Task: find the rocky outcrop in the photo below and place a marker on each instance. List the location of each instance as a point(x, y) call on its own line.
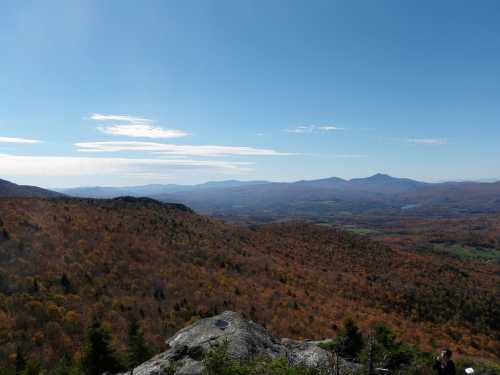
point(245, 340)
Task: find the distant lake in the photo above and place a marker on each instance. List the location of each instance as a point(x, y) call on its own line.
point(410, 206)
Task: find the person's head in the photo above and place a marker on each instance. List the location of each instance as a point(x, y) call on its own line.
point(446, 354)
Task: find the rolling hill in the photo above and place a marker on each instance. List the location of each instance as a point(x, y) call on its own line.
point(9, 189)
point(324, 199)
point(106, 192)
point(65, 261)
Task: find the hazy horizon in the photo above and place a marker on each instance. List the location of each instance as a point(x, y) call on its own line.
point(62, 187)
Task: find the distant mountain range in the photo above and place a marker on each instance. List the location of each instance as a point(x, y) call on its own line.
point(378, 183)
point(150, 190)
point(317, 199)
point(333, 197)
point(321, 199)
point(9, 189)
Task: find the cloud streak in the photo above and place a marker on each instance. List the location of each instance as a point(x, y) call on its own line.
point(177, 150)
point(56, 166)
point(142, 131)
point(309, 129)
point(350, 156)
point(126, 118)
point(18, 140)
point(136, 127)
point(428, 141)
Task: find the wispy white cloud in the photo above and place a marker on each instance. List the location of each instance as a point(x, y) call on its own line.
point(126, 118)
point(142, 131)
point(15, 165)
point(135, 127)
point(428, 141)
point(18, 140)
point(170, 149)
point(305, 129)
point(349, 156)
point(329, 128)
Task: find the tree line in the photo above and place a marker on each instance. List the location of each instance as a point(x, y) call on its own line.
point(379, 350)
point(98, 355)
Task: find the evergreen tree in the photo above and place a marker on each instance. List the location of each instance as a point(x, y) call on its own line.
point(66, 366)
point(138, 350)
point(65, 283)
point(386, 350)
point(349, 341)
point(99, 356)
point(20, 361)
point(32, 368)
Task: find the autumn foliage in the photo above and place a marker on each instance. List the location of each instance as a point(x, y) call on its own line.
point(66, 262)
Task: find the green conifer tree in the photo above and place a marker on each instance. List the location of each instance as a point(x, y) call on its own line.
point(33, 368)
point(349, 341)
point(20, 361)
point(138, 350)
point(386, 350)
point(67, 366)
point(65, 283)
point(99, 356)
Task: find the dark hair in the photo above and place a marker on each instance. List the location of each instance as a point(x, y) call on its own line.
point(448, 352)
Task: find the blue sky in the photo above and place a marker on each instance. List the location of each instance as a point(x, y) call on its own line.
point(131, 93)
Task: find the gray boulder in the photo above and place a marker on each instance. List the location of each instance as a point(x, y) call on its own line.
point(245, 340)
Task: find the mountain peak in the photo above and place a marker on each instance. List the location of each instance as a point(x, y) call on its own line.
point(381, 176)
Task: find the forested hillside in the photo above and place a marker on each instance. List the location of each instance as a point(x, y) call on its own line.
point(9, 189)
point(65, 261)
